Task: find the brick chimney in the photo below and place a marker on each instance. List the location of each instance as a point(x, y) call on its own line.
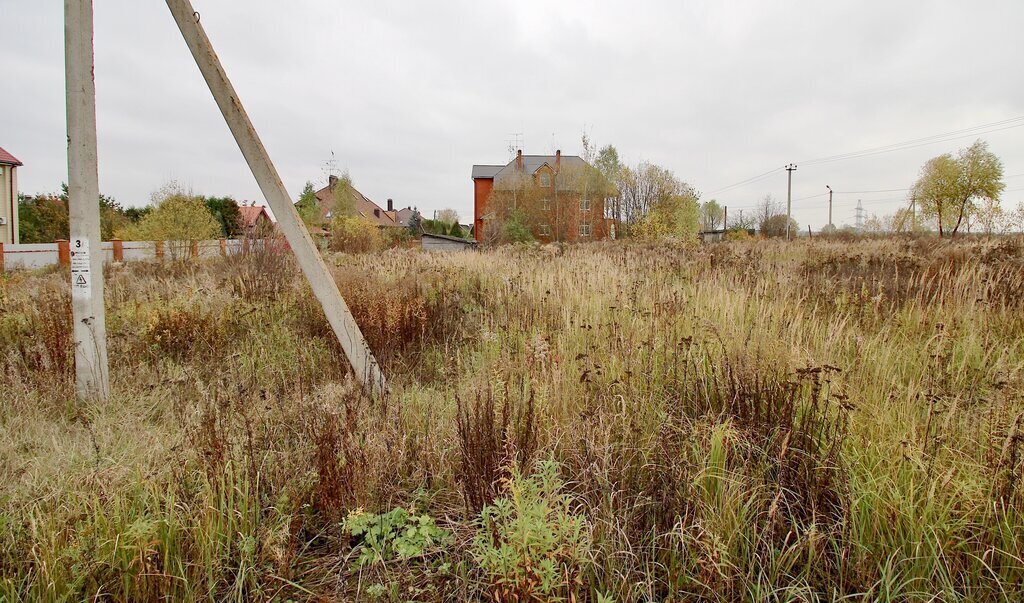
point(519, 160)
point(391, 205)
point(558, 159)
point(332, 180)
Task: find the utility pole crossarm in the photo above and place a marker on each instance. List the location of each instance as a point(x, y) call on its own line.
point(326, 290)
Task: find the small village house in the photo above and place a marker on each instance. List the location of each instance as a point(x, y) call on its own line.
point(255, 221)
point(362, 205)
point(404, 215)
point(400, 216)
point(9, 165)
point(565, 211)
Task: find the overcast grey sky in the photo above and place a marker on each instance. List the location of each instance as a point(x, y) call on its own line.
point(408, 95)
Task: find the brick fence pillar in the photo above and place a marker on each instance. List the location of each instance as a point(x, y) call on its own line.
point(159, 250)
point(195, 249)
point(223, 247)
point(1, 257)
point(118, 250)
point(64, 252)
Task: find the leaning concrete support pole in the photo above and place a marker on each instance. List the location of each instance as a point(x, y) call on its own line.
point(86, 254)
point(326, 290)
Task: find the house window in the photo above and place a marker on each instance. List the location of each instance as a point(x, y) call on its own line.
point(547, 204)
point(584, 229)
point(545, 179)
point(545, 230)
point(584, 205)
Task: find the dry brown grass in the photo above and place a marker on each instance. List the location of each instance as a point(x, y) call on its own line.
point(745, 421)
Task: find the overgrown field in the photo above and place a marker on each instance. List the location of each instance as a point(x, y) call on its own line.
point(745, 421)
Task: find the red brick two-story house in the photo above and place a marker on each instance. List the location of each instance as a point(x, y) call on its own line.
point(554, 192)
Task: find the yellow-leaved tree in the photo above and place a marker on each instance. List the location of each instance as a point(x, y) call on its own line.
point(950, 188)
point(674, 217)
point(178, 217)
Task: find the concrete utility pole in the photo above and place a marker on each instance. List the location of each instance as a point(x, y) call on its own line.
point(789, 198)
point(829, 206)
point(90, 329)
point(913, 213)
point(326, 290)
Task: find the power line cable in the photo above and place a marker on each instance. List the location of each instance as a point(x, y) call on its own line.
point(996, 126)
point(747, 181)
point(881, 190)
point(810, 197)
point(1005, 124)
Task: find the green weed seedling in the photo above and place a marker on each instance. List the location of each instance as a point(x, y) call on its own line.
point(530, 542)
point(397, 534)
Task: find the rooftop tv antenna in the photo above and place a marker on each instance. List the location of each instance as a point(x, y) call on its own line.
point(515, 142)
point(330, 167)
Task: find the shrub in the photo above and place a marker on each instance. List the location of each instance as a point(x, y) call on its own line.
point(39, 334)
point(515, 229)
point(529, 543)
point(775, 226)
point(676, 217)
point(183, 332)
point(261, 274)
point(355, 234)
point(177, 216)
point(396, 237)
point(737, 234)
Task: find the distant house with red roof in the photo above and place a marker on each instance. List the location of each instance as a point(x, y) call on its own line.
point(9, 165)
point(254, 220)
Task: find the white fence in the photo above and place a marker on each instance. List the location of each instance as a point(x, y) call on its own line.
point(40, 255)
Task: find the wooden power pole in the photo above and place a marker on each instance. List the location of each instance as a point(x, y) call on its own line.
point(326, 290)
point(90, 330)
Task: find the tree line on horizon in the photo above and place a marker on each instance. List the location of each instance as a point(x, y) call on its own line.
point(953, 193)
point(174, 213)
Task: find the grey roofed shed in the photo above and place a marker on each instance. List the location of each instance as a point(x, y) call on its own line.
point(434, 242)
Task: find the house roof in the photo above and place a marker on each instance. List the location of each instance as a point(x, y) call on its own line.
point(404, 215)
point(361, 203)
point(249, 215)
point(486, 171)
point(531, 163)
point(430, 235)
point(8, 159)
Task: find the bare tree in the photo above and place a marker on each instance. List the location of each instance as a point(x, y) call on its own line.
point(646, 185)
point(765, 210)
point(448, 215)
point(743, 220)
